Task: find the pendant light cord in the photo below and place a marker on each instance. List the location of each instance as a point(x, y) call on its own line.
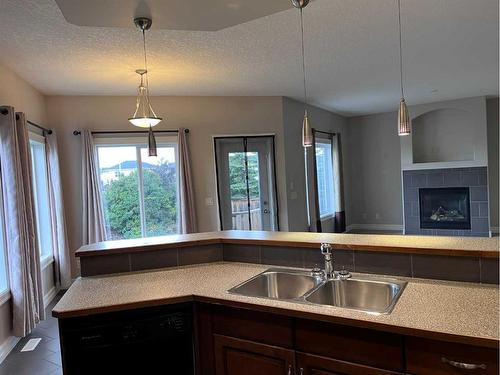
point(147, 71)
point(400, 49)
point(145, 57)
point(303, 58)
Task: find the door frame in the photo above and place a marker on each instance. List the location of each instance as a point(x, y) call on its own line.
point(263, 135)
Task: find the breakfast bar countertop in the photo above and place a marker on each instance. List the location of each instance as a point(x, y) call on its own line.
point(450, 311)
point(449, 246)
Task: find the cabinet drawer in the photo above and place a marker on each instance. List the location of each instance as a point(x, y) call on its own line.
point(358, 345)
point(253, 325)
point(441, 358)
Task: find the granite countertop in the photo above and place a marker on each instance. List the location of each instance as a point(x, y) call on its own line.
point(453, 246)
point(426, 308)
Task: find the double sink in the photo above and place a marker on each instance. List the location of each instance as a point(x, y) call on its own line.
point(371, 294)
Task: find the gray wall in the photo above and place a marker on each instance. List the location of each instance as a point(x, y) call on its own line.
point(374, 164)
point(493, 158)
point(373, 170)
point(293, 114)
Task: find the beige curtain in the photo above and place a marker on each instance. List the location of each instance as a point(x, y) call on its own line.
point(93, 215)
point(186, 191)
point(61, 251)
point(338, 179)
point(18, 207)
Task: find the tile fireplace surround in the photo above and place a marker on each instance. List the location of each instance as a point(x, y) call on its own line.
point(476, 179)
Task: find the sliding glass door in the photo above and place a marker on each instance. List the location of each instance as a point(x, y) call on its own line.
point(246, 183)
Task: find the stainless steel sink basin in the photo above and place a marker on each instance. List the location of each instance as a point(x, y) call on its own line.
point(376, 295)
point(367, 293)
point(278, 284)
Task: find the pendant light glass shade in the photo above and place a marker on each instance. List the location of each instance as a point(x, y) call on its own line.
point(404, 123)
point(151, 143)
point(144, 116)
point(307, 134)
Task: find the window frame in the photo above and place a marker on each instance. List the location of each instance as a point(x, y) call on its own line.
point(140, 143)
point(45, 259)
point(325, 141)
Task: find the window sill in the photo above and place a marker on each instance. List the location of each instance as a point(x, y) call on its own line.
point(46, 261)
point(327, 216)
point(4, 296)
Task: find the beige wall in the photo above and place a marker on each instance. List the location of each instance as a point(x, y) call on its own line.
point(16, 92)
point(204, 116)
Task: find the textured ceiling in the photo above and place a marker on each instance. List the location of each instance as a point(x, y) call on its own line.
point(351, 53)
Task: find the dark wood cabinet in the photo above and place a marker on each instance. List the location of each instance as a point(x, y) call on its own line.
point(309, 364)
point(241, 357)
point(241, 341)
point(351, 344)
point(438, 358)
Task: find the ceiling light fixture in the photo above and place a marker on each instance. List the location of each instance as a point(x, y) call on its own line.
point(404, 123)
point(144, 115)
point(307, 134)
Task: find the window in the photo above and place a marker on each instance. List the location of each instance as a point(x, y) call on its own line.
point(324, 173)
point(41, 196)
point(139, 192)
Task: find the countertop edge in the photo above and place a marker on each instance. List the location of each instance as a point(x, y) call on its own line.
point(434, 335)
point(86, 252)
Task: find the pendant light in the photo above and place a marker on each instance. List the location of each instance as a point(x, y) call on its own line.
point(144, 115)
point(307, 134)
point(404, 123)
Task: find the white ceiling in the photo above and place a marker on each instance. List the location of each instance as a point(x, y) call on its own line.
point(351, 53)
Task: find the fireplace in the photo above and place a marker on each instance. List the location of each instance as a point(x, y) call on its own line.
point(445, 208)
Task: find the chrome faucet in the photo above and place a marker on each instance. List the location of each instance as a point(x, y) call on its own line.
point(343, 274)
point(326, 250)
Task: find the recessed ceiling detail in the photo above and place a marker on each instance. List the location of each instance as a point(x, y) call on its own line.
point(192, 15)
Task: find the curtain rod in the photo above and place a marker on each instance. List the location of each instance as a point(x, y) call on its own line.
point(78, 132)
point(48, 131)
point(320, 131)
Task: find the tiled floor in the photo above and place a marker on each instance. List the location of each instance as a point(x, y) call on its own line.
point(45, 359)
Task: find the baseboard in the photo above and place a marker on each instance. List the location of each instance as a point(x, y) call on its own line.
point(7, 347)
point(49, 296)
point(394, 227)
point(375, 227)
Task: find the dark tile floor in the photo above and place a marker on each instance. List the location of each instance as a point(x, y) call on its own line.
point(45, 359)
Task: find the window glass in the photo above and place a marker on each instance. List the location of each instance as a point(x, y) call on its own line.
point(139, 192)
point(120, 191)
point(160, 191)
point(324, 172)
point(41, 198)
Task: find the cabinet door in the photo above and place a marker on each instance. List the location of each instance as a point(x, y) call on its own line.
point(445, 358)
point(309, 364)
point(242, 357)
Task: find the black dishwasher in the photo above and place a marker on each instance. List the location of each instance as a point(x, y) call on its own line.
point(155, 340)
